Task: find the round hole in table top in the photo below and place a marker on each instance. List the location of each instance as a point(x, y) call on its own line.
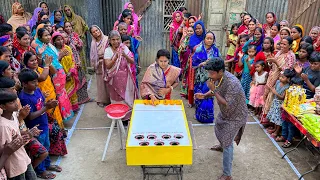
point(139, 137)
point(178, 136)
point(173, 143)
point(144, 144)
point(151, 136)
point(159, 143)
point(166, 136)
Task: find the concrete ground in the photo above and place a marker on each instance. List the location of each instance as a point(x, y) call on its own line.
point(255, 158)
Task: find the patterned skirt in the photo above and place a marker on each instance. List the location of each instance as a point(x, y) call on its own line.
point(256, 95)
point(57, 136)
point(82, 92)
point(245, 82)
point(204, 107)
point(274, 114)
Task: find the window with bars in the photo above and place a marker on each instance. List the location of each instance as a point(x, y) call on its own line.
point(169, 7)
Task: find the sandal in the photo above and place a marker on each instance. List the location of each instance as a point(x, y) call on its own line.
point(286, 144)
point(100, 104)
point(280, 139)
point(217, 148)
point(46, 175)
point(55, 168)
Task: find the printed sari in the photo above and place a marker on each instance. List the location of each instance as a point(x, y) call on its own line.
point(286, 61)
point(72, 83)
point(155, 78)
point(204, 107)
point(59, 80)
point(120, 81)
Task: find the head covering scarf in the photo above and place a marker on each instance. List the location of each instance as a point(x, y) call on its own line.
point(175, 24)
point(17, 20)
point(51, 18)
point(191, 17)
point(196, 39)
point(203, 54)
point(96, 47)
point(135, 19)
point(3, 66)
point(55, 34)
point(39, 27)
point(33, 21)
point(79, 25)
point(286, 29)
point(258, 43)
point(4, 40)
point(266, 25)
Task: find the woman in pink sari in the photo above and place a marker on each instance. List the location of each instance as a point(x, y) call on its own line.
point(98, 45)
point(160, 78)
point(118, 76)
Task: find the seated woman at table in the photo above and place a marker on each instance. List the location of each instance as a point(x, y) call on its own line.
point(160, 78)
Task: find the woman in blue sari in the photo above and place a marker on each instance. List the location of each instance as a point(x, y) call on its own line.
point(57, 18)
point(204, 52)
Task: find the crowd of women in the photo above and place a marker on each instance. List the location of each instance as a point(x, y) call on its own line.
point(52, 45)
point(266, 59)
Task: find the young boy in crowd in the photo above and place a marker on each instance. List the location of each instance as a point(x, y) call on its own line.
point(18, 164)
point(311, 74)
point(32, 96)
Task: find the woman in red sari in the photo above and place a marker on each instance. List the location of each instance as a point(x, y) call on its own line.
point(270, 20)
point(243, 28)
point(21, 41)
point(160, 78)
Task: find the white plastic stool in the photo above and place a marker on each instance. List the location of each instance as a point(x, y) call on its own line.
point(121, 131)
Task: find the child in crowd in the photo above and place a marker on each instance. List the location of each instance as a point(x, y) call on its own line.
point(37, 152)
point(5, 54)
point(274, 115)
point(278, 47)
point(127, 41)
point(18, 165)
point(241, 41)
point(257, 87)
point(31, 95)
point(245, 62)
point(311, 74)
point(232, 39)
point(304, 54)
point(288, 129)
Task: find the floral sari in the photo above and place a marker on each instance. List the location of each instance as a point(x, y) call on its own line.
point(204, 108)
point(119, 79)
point(72, 83)
point(286, 61)
point(155, 78)
point(57, 144)
point(59, 80)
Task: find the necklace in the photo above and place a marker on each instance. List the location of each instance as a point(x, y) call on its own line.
point(216, 86)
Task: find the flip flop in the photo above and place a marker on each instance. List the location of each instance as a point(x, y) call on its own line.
point(55, 168)
point(48, 175)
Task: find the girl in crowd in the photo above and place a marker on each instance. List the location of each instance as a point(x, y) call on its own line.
point(246, 60)
point(192, 20)
point(197, 38)
point(98, 45)
point(204, 52)
point(69, 68)
point(57, 18)
point(278, 91)
point(252, 27)
point(56, 127)
point(153, 85)
point(5, 54)
point(257, 87)
point(175, 37)
point(304, 54)
point(271, 19)
point(44, 47)
point(126, 17)
point(257, 40)
point(45, 7)
point(82, 90)
point(243, 38)
point(232, 39)
point(266, 53)
point(6, 41)
point(275, 33)
point(119, 79)
point(184, 53)
point(297, 32)
point(127, 41)
point(284, 59)
point(19, 16)
point(136, 28)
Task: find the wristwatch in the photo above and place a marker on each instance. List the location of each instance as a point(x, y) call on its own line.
point(212, 92)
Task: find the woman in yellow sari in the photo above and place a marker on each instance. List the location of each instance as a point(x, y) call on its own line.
point(69, 66)
point(56, 127)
